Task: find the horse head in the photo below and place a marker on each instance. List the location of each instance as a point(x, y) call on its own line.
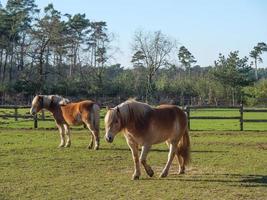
point(113, 123)
point(37, 104)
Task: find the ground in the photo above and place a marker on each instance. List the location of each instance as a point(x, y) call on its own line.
point(225, 165)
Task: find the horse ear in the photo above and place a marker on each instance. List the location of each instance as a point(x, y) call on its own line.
point(108, 107)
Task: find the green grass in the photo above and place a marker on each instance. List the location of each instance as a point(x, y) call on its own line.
point(225, 165)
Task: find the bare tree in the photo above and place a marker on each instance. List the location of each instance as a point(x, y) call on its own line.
point(151, 50)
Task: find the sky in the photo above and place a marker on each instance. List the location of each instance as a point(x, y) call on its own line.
point(205, 27)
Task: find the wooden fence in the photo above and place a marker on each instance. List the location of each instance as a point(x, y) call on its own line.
point(239, 117)
point(17, 116)
point(188, 109)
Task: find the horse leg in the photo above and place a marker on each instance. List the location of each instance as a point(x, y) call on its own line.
point(95, 135)
point(181, 163)
point(91, 143)
point(144, 152)
point(134, 149)
point(172, 152)
point(62, 137)
point(67, 134)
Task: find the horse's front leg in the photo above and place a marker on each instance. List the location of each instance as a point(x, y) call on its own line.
point(134, 149)
point(61, 133)
point(172, 152)
point(67, 134)
point(144, 152)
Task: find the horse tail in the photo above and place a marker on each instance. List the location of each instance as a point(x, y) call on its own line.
point(184, 147)
point(95, 116)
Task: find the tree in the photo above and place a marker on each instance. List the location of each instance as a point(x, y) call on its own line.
point(98, 44)
point(78, 29)
point(21, 15)
point(152, 51)
point(45, 33)
point(256, 53)
point(186, 58)
point(233, 72)
point(256, 94)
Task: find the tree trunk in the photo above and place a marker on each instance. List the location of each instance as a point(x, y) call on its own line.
point(1, 61)
point(4, 67)
point(256, 69)
point(22, 46)
point(41, 81)
point(233, 97)
point(46, 63)
point(149, 89)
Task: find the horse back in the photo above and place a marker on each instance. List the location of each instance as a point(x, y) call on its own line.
point(76, 113)
point(166, 116)
point(163, 118)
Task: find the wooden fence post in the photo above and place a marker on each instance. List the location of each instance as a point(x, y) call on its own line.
point(241, 117)
point(35, 121)
point(16, 114)
point(188, 117)
point(43, 115)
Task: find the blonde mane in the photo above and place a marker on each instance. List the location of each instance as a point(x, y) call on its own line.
point(56, 99)
point(132, 110)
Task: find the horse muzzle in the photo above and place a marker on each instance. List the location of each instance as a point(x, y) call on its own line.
point(33, 111)
point(109, 138)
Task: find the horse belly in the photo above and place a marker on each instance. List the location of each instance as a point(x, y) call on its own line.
point(74, 120)
point(158, 134)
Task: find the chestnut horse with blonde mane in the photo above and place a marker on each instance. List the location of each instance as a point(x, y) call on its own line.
point(144, 126)
point(66, 113)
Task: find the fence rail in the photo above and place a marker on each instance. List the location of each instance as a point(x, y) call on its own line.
point(17, 116)
point(187, 109)
point(239, 117)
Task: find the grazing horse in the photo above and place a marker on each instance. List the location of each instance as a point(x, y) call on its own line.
point(66, 113)
point(144, 126)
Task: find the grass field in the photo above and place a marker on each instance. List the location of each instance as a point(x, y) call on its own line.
point(225, 165)
point(195, 124)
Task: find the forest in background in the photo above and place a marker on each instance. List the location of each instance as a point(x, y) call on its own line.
point(44, 51)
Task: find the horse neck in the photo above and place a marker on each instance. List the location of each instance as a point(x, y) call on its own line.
point(51, 107)
point(134, 118)
point(125, 117)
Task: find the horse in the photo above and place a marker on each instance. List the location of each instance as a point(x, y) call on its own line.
point(66, 113)
point(144, 126)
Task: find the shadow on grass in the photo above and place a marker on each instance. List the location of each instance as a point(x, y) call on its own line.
point(157, 150)
point(239, 180)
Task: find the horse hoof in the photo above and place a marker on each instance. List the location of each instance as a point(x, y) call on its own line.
point(150, 173)
point(163, 175)
point(90, 147)
point(96, 148)
point(67, 145)
point(60, 146)
point(135, 177)
point(181, 172)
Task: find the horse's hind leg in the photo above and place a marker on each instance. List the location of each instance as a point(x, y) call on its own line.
point(61, 133)
point(95, 135)
point(144, 152)
point(181, 163)
point(172, 152)
point(91, 143)
point(67, 134)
